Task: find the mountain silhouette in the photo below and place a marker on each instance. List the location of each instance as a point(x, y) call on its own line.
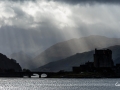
point(8, 64)
point(67, 48)
point(76, 60)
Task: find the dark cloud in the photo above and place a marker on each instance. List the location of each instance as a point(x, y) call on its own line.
point(36, 25)
point(88, 1)
point(75, 1)
point(20, 0)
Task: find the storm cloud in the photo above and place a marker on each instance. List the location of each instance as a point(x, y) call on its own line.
point(91, 2)
point(57, 21)
point(35, 25)
point(74, 1)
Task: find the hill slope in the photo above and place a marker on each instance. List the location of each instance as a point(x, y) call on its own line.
point(76, 60)
point(67, 48)
point(8, 64)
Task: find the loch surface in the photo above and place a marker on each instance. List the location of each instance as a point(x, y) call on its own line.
point(58, 84)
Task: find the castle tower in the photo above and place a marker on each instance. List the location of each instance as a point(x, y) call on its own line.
point(103, 58)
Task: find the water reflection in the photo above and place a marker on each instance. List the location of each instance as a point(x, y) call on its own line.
point(57, 84)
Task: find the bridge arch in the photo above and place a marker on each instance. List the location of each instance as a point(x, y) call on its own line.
point(35, 75)
point(43, 75)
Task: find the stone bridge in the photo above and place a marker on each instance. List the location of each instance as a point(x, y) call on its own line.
point(29, 74)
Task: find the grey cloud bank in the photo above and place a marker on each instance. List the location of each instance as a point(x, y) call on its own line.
point(35, 25)
point(88, 1)
point(74, 1)
point(57, 22)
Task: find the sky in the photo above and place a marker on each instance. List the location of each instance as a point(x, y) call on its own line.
point(34, 25)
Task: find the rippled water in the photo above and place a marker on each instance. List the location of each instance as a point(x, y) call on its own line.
point(58, 84)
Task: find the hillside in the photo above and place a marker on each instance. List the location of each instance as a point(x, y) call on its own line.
point(8, 64)
point(76, 60)
point(67, 48)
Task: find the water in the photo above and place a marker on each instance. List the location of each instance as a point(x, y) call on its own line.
point(58, 84)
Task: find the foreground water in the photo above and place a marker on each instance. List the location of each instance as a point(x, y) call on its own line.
point(58, 84)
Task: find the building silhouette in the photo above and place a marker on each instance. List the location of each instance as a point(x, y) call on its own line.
point(103, 58)
point(88, 66)
point(102, 61)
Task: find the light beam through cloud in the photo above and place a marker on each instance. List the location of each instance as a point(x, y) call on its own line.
point(35, 25)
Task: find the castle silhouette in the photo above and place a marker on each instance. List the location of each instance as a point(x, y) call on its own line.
point(103, 66)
